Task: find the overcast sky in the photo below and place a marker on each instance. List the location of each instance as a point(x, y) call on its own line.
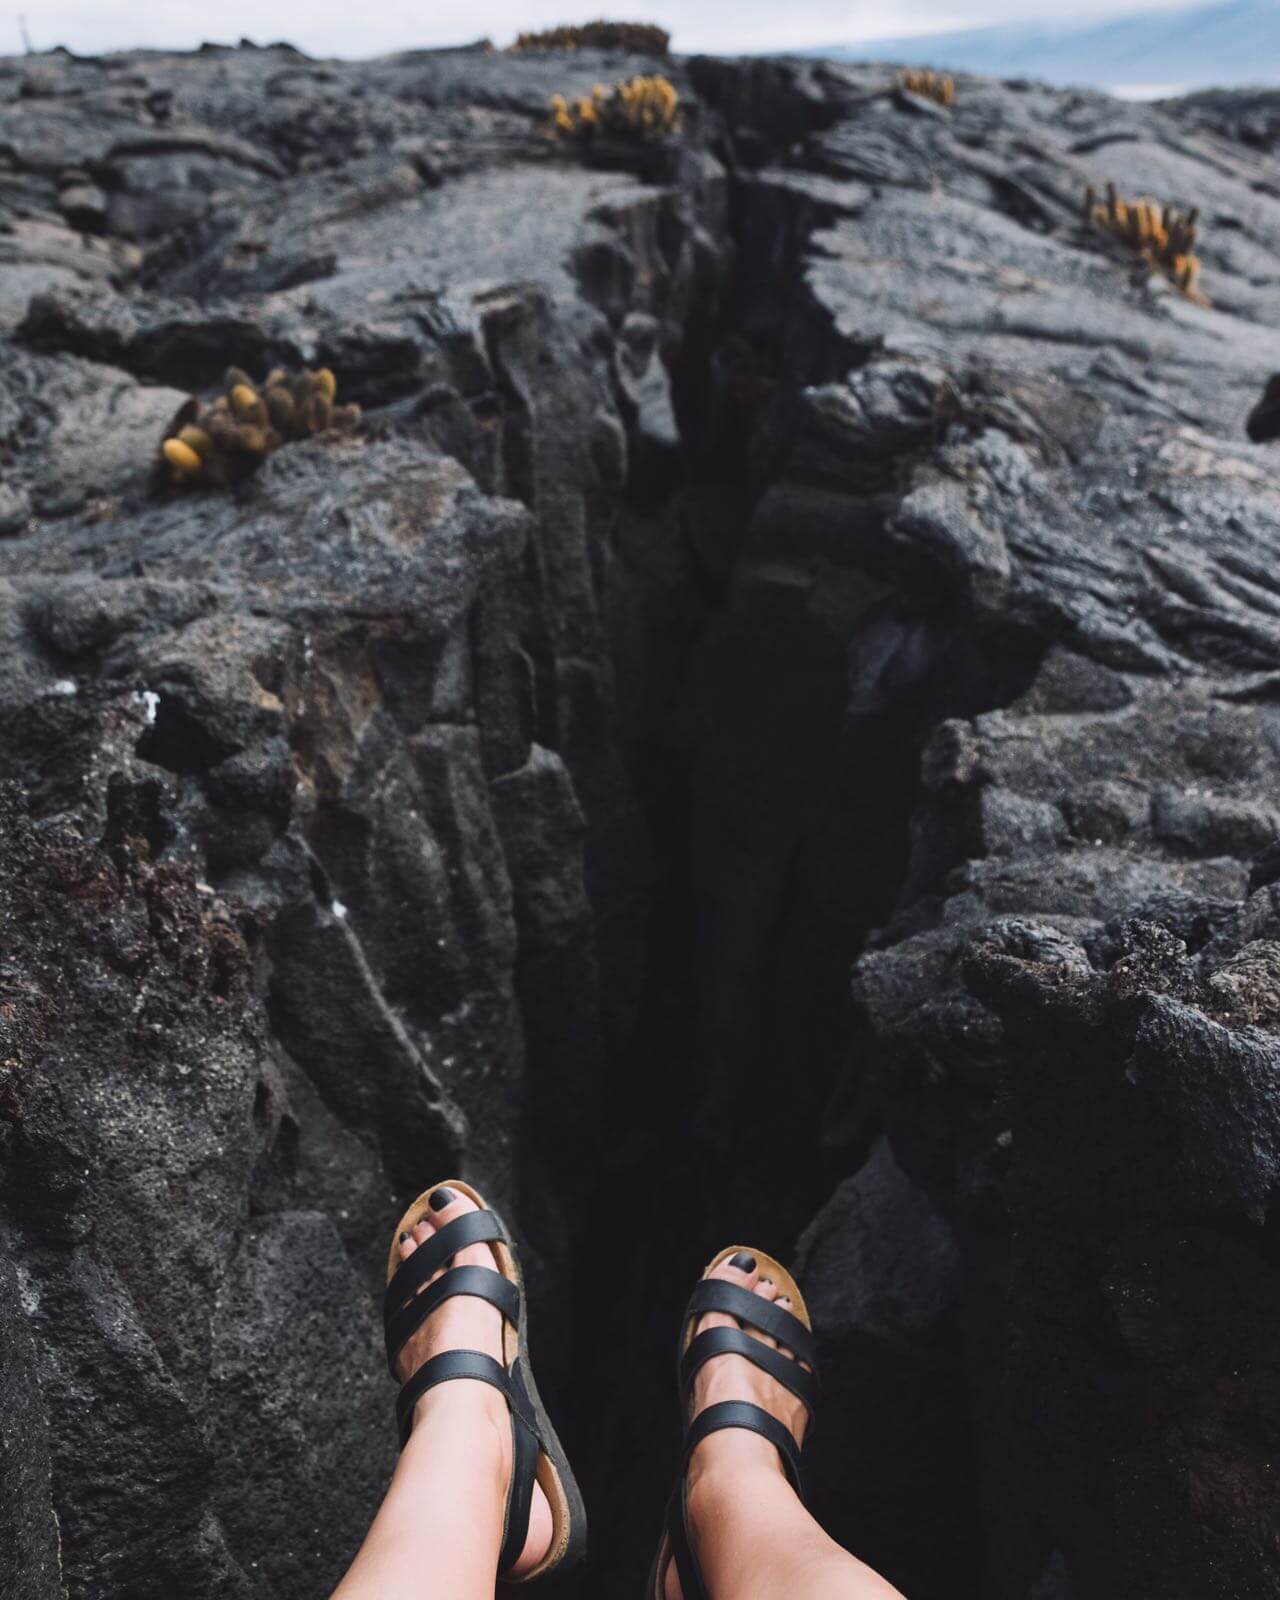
point(370, 27)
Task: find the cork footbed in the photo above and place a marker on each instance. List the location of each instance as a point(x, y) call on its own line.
point(788, 1288)
point(515, 1347)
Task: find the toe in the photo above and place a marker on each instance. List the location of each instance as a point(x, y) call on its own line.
point(446, 1205)
point(784, 1303)
point(432, 1219)
point(739, 1269)
point(767, 1290)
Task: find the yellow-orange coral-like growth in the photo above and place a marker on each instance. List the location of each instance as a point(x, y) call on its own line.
point(181, 457)
point(1162, 235)
point(939, 87)
point(228, 439)
point(639, 109)
point(641, 38)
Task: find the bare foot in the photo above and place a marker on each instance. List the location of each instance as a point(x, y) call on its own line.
point(735, 1456)
point(464, 1322)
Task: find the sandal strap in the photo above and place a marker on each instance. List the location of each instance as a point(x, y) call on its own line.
point(687, 1568)
point(729, 1299)
point(526, 1442)
point(445, 1367)
point(714, 1294)
point(525, 1449)
point(742, 1414)
point(712, 1342)
point(474, 1227)
point(484, 1283)
point(727, 1414)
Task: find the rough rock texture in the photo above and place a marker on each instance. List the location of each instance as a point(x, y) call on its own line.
point(1030, 503)
point(796, 550)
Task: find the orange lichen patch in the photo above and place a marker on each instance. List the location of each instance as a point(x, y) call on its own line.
point(228, 439)
point(640, 38)
point(1163, 236)
point(640, 109)
point(940, 87)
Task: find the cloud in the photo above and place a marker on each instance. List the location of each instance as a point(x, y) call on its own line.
point(336, 27)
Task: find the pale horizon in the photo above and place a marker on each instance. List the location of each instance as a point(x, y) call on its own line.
point(329, 28)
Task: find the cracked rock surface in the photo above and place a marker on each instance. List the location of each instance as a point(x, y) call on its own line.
point(775, 705)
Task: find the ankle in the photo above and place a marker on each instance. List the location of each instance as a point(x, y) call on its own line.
point(741, 1510)
point(466, 1423)
point(730, 1464)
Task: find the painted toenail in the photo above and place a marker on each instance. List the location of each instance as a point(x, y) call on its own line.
point(442, 1198)
point(770, 1282)
point(404, 1238)
point(743, 1262)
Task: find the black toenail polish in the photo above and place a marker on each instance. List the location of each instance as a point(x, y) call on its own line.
point(442, 1198)
point(743, 1262)
point(404, 1238)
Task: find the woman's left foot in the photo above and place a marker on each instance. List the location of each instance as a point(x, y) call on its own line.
point(734, 1457)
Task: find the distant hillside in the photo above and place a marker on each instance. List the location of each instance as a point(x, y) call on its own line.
point(1235, 42)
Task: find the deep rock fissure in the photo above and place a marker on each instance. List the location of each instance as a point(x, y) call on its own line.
point(725, 1117)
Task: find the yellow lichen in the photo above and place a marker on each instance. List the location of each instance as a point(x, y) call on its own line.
point(639, 109)
point(1162, 236)
point(196, 439)
point(939, 87)
point(641, 38)
point(182, 458)
point(244, 401)
point(280, 407)
point(227, 439)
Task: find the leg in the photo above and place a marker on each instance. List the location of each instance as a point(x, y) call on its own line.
point(439, 1529)
point(753, 1537)
point(438, 1532)
point(756, 1541)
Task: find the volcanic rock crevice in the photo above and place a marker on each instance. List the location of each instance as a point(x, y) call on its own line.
point(796, 550)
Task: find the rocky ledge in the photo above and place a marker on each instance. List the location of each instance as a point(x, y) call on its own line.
point(801, 546)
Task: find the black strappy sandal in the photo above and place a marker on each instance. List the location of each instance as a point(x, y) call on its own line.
point(537, 1455)
point(796, 1333)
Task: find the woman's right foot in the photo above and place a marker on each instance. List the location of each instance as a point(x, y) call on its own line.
point(729, 1462)
point(472, 1413)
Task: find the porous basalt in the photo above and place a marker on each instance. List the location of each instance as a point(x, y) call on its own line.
point(796, 644)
